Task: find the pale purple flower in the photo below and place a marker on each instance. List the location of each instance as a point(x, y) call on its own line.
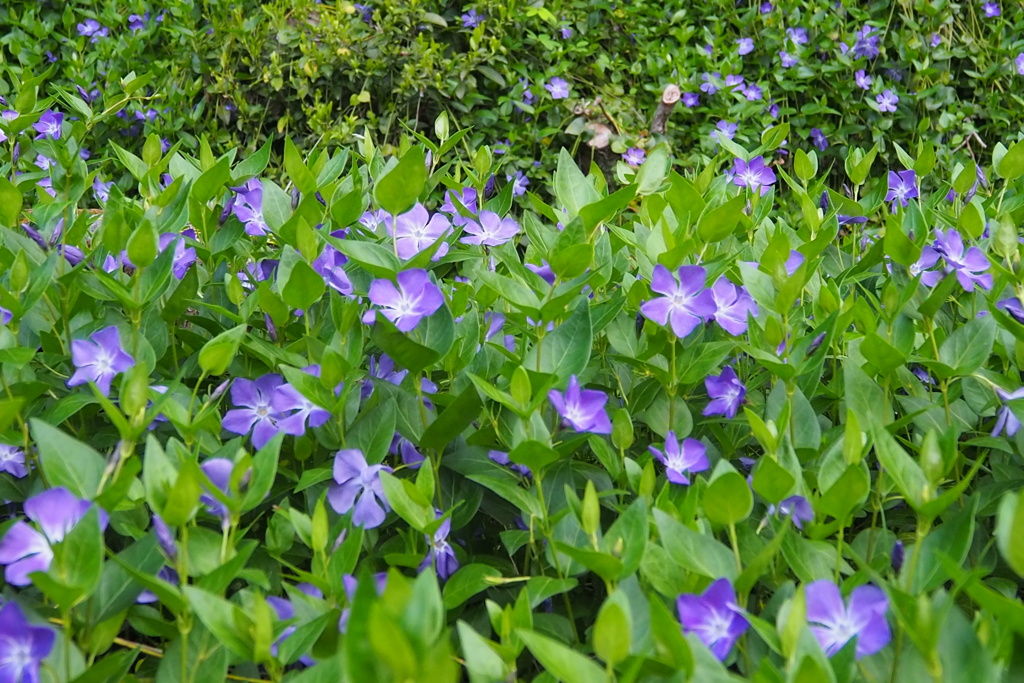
point(634, 156)
point(834, 622)
point(490, 230)
point(184, 256)
point(992, 10)
point(330, 266)
point(544, 271)
point(818, 139)
point(1019, 62)
point(732, 306)
point(415, 298)
point(734, 81)
point(898, 555)
point(406, 449)
point(708, 86)
point(690, 100)
point(795, 260)
point(416, 229)
point(726, 393)
point(887, 101)
point(936, 40)
point(26, 549)
point(137, 23)
point(714, 617)
point(726, 128)
point(218, 471)
point(969, 265)
point(766, 7)
point(752, 92)
point(681, 458)
point(99, 359)
point(467, 198)
point(796, 508)
point(49, 125)
point(44, 162)
point(248, 207)
point(440, 552)
point(685, 304)
point(566, 32)
point(101, 189)
point(867, 43)
point(358, 488)
point(1006, 420)
point(383, 369)
point(254, 409)
point(582, 409)
point(286, 612)
point(902, 188)
point(12, 460)
point(23, 646)
point(294, 410)
point(798, 35)
point(92, 29)
point(753, 175)
point(787, 59)
point(372, 220)
point(746, 46)
point(558, 88)
point(519, 182)
point(1013, 307)
point(471, 19)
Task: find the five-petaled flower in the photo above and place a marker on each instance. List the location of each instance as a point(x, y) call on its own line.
point(558, 88)
point(902, 188)
point(582, 409)
point(1006, 420)
point(357, 487)
point(247, 206)
point(862, 80)
point(834, 622)
point(490, 230)
point(726, 392)
point(685, 304)
point(681, 458)
point(416, 229)
point(1019, 62)
point(634, 156)
point(992, 10)
point(254, 408)
point(887, 101)
point(413, 299)
point(12, 460)
point(796, 508)
point(746, 46)
point(99, 359)
point(23, 646)
point(753, 175)
point(49, 124)
point(714, 617)
point(732, 306)
point(969, 265)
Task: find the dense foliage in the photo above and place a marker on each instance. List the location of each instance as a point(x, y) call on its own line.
point(414, 400)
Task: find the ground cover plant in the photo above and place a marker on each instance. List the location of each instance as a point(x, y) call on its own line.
point(741, 406)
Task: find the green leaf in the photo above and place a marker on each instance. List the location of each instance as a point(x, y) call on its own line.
point(466, 582)
point(10, 204)
point(728, 499)
point(483, 663)
point(1011, 166)
point(652, 173)
point(772, 481)
point(573, 189)
point(407, 501)
point(846, 494)
point(1009, 531)
point(421, 347)
point(117, 591)
point(693, 551)
point(905, 473)
point(566, 351)
point(806, 165)
point(264, 470)
point(225, 620)
point(301, 286)
point(78, 559)
point(533, 454)
point(66, 461)
point(217, 354)
point(613, 630)
point(252, 165)
point(297, 170)
point(969, 345)
point(718, 223)
point(564, 663)
point(399, 189)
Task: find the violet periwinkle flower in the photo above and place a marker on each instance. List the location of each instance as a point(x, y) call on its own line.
point(690, 100)
point(471, 19)
point(467, 198)
point(787, 59)
point(49, 125)
point(294, 410)
point(752, 92)
point(23, 647)
point(416, 229)
point(12, 460)
point(902, 188)
point(834, 622)
point(898, 555)
point(543, 271)
point(732, 306)
point(1013, 307)
point(413, 299)
point(793, 263)
point(818, 139)
point(218, 471)
point(714, 617)
point(685, 304)
point(254, 409)
point(330, 266)
point(6, 316)
point(357, 487)
point(798, 35)
point(681, 458)
point(796, 508)
point(406, 450)
point(746, 46)
point(440, 553)
point(991, 9)
point(887, 101)
point(44, 162)
point(490, 230)
point(383, 369)
point(248, 207)
point(165, 537)
point(137, 23)
point(26, 549)
point(708, 86)
point(634, 156)
point(734, 81)
point(101, 189)
point(753, 175)
point(558, 88)
point(99, 359)
point(168, 574)
point(867, 43)
point(372, 220)
point(566, 32)
point(969, 266)
point(1019, 62)
point(184, 256)
point(726, 393)
point(862, 80)
point(519, 182)
point(1006, 420)
point(286, 612)
point(501, 457)
point(92, 29)
point(582, 409)
point(726, 128)
point(936, 40)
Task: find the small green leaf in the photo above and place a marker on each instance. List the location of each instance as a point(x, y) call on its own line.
point(66, 461)
point(217, 354)
point(399, 189)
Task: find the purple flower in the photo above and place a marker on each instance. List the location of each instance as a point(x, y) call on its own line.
point(991, 9)
point(372, 220)
point(898, 555)
point(24, 549)
point(866, 44)
point(254, 410)
point(681, 458)
point(294, 409)
point(746, 46)
point(101, 189)
point(558, 88)
point(969, 266)
point(490, 230)
point(519, 182)
point(440, 552)
point(714, 617)
point(796, 508)
point(685, 302)
point(634, 156)
point(184, 256)
point(752, 92)
point(1006, 420)
point(44, 162)
point(787, 59)
point(91, 28)
point(383, 369)
point(137, 23)
point(5, 316)
point(708, 86)
point(467, 197)
point(415, 298)
point(248, 207)
point(582, 409)
point(12, 460)
point(732, 306)
point(471, 19)
point(936, 40)
point(734, 81)
point(726, 128)
point(416, 229)
point(818, 139)
point(23, 647)
point(48, 125)
point(795, 260)
point(835, 623)
point(543, 271)
point(286, 612)
point(1019, 62)
point(406, 449)
point(902, 188)
point(218, 471)
point(692, 99)
point(766, 7)
point(502, 458)
point(798, 35)
point(330, 266)
point(566, 32)
point(358, 488)
point(1013, 307)
point(887, 101)
point(726, 392)
point(753, 175)
point(99, 359)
